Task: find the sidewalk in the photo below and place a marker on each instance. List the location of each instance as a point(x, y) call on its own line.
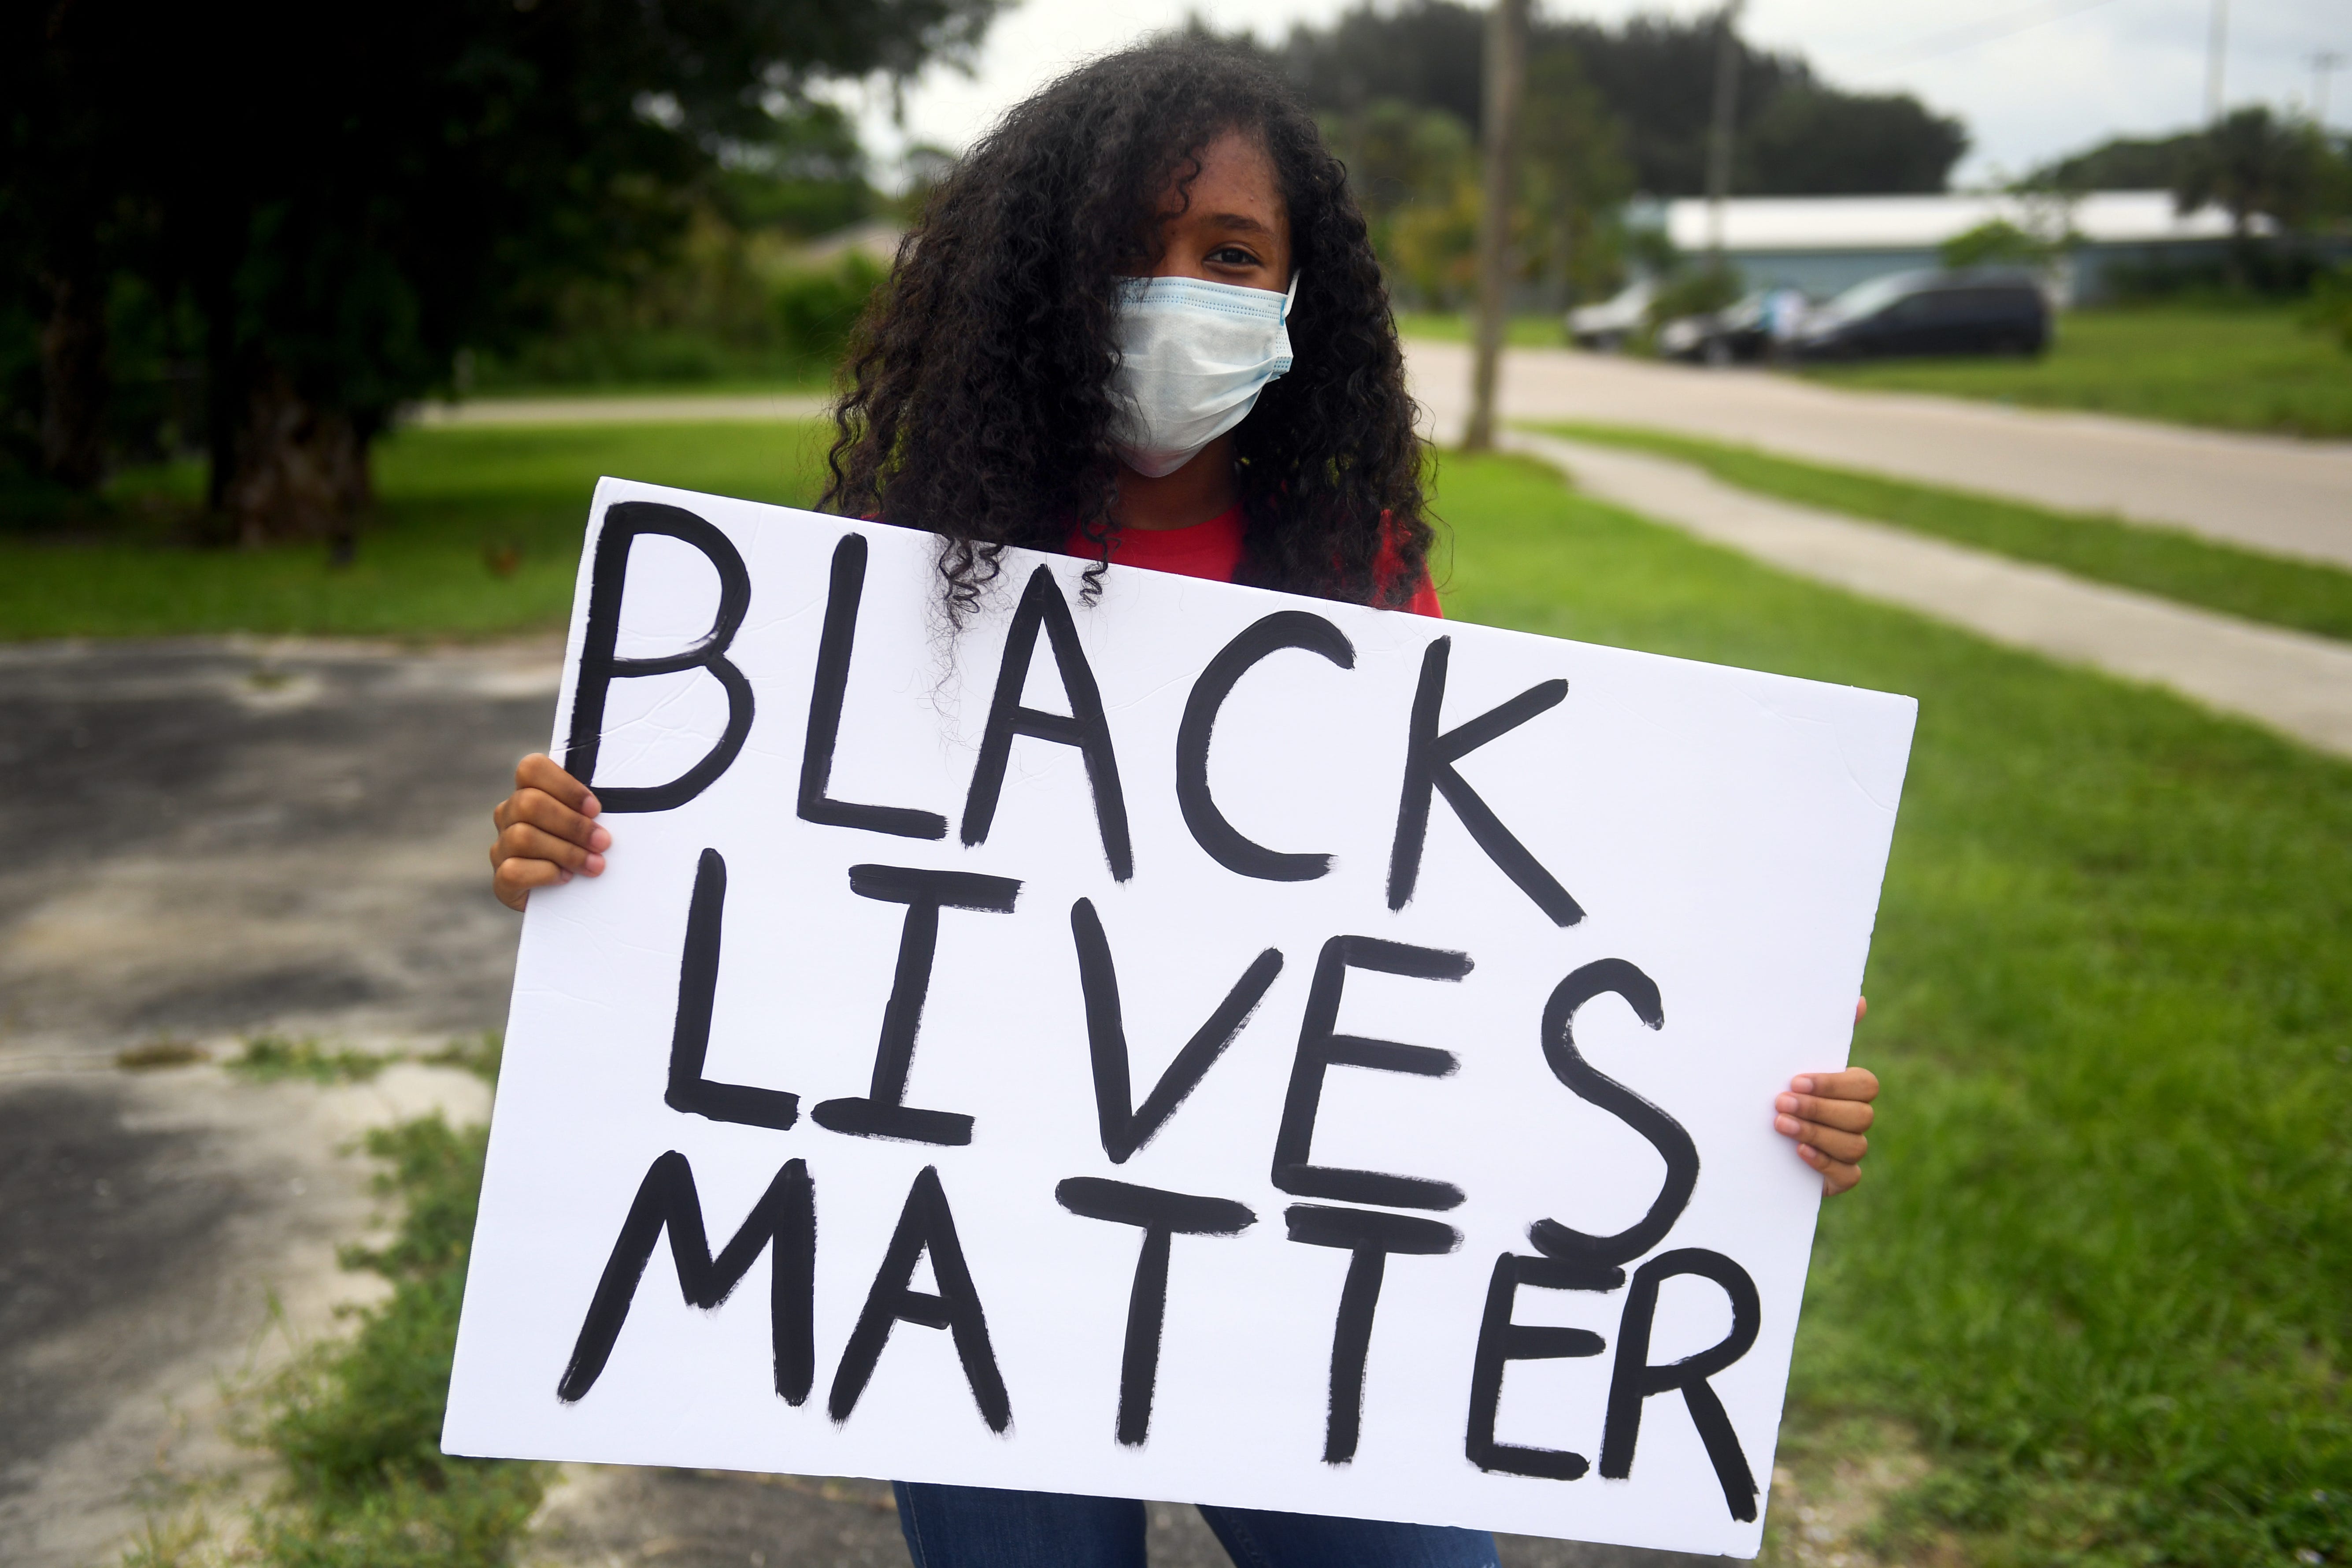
point(2296, 684)
point(2262, 492)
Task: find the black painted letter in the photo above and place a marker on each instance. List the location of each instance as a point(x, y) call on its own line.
point(624, 522)
point(1615, 976)
point(1282, 629)
point(1502, 1341)
point(826, 695)
point(689, 1041)
point(924, 1226)
point(1368, 1238)
point(1321, 1047)
point(1125, 1127)
point(1429, 759)
point(1161, 1215)
point(1083, 726)
point(882, 1112)
point(1634, 1380)
point(783, 1220)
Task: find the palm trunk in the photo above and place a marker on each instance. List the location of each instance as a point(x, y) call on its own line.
point(1506, 75)
point(295, 470)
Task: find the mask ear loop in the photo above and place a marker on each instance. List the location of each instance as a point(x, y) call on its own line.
point(1289, 299)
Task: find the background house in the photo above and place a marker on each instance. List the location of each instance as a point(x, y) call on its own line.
point(1825, 244)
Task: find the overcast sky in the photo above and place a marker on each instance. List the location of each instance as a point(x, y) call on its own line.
point(2030, 79)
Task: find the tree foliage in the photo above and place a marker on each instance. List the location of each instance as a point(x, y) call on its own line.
point(1611, 110)
point(2253, 164)
point(345, 197)
point(1817, 141)
point(2118, 163)
point(1654, 76)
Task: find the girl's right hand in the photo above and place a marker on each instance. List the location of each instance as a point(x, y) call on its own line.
point(547, 832)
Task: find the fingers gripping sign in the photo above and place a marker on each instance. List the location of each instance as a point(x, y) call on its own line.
point(1827, 1113)
point(547, 832)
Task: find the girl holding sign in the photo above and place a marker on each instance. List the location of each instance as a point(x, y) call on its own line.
point(1141, 322)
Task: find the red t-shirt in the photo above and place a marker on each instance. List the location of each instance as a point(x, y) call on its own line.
point(1213, 550)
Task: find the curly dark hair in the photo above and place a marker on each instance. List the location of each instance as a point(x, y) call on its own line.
point(980, 404)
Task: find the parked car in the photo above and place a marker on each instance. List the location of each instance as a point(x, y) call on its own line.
point(1607, 325)
point(1969, 310)
point(1739, 333)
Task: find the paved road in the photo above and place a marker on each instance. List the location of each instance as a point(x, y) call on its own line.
point(2295, 683)
point(2290, 498)
point(204, 838)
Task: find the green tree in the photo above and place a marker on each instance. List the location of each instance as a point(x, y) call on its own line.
point(2252, 164)
point(1997, 242)
point(1577, 175)
point(1809, 141)
point(1414, 173)
point(1654, 75)
point(2118, 163)
point(347, 196)
point(804, 175)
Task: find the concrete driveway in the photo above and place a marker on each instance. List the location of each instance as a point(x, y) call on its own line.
point(2273, 493)
point(203, 839)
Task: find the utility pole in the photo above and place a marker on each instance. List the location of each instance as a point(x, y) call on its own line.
point(1506, 81)
point(1727, 112)
point(2217, 53)
point(2324, 65)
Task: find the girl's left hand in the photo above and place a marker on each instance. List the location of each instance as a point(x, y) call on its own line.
point(1827, 1114)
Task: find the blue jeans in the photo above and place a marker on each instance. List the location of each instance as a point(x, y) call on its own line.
point(978, 1527)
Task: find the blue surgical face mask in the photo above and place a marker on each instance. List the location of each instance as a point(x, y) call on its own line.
point(1193, 356)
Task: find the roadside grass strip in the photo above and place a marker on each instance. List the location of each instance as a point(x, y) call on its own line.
point(2234, 365)
point(2100, 1262)
point(1539, 332)
point(477, 533)
point(2308, 596)
point(354, 1423)
point(357, 1423)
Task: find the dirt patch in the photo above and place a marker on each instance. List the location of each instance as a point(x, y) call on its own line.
point(1829, 1489)
point(165, 1240)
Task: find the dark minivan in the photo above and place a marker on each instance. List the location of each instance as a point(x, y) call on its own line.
point(1969, 310)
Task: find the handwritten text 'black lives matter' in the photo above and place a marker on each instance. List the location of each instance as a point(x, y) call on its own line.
point(1357, 1211)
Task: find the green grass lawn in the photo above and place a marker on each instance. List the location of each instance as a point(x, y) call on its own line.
point(2175, 565)
point(2101, 1262)
point(1525, 332)
point(478, 533)
point(2250, 367)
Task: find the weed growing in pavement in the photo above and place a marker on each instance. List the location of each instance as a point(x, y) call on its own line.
point(477, 1053)
point(153, 1056)
point(273, 1058)
point(182, 1540)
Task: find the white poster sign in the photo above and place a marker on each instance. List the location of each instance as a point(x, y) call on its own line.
point(1200, 1043)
